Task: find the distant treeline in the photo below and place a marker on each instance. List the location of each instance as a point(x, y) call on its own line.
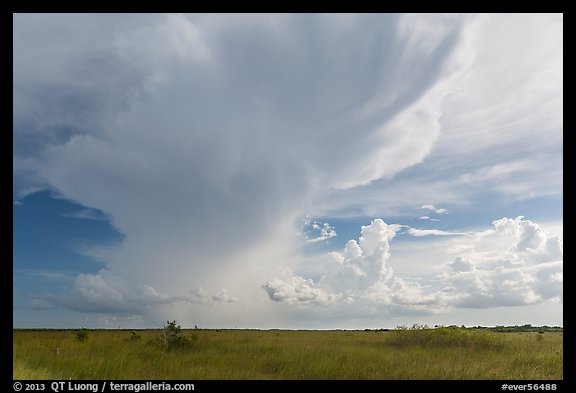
point(498, 328)
point(523, 328)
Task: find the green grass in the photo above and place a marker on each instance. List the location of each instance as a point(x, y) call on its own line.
point(443, 353)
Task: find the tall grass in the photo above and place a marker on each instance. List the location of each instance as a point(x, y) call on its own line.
point(445, 337)
point(235, 354)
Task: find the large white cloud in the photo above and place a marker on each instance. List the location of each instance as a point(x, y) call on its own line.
point(206, 137)
point(362, 263)
point(236, 120)
point(516, 263)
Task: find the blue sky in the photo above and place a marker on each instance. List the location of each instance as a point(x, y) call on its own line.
point(287, 171)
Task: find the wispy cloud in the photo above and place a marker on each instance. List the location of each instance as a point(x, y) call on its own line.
point(99, 252)
point(52, 275)
point(435, 232)
point(441, 210)
point(88, 214)
point(428, 218)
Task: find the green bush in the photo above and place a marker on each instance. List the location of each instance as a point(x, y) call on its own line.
point(451, 336)
point(170, 337)
point(82, 335)
point(135, 336)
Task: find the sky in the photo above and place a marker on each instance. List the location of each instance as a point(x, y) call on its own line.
point(310, 171)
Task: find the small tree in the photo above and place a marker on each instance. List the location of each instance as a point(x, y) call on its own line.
point(82, 335)
point(171, 338)
point(135, 336)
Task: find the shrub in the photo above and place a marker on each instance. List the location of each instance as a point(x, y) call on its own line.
point(451, 336)
point(82, 335)
point(170, 337)
point(135, 336)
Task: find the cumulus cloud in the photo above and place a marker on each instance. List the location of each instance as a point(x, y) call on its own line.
point(359, 267)
point(224, 297)
point(293, 289)
point(201, 296)
point(505, 286)
point(512, 264)
point(524, 267)
point(532, 242)
point(362, 263)
point(103, 293)
point(462, 265)
point(94, 292)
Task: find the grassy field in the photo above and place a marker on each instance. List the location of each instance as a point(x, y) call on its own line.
point(253, 354)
